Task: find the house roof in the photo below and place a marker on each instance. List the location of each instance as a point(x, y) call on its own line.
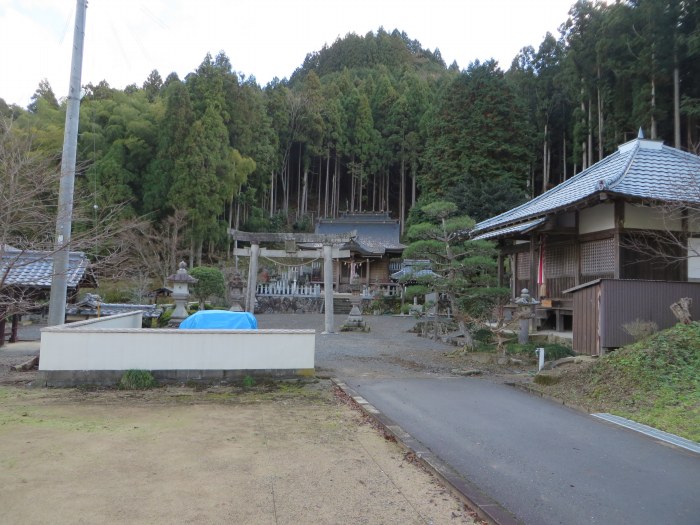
point(35, 268)
point(639, 169)
point(377, 233)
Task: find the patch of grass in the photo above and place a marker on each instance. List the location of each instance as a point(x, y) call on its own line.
point(655, 381)
point(543, 379)
point(137, 380)
point(248, 381)
point(552, 351)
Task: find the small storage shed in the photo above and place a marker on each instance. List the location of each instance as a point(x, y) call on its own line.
point(603, 306)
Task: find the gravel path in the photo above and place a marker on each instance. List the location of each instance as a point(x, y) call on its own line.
point(389, 350)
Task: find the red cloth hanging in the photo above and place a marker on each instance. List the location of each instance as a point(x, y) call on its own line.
point(541, 283)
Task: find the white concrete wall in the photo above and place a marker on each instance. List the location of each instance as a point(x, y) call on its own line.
point(85, 348)
point(648, 218)
point(694, 259)
point(596, 218)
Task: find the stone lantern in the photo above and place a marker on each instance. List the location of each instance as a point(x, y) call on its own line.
point(355, 321)
point(526, 311)
point(181, 281)
point(235, 291)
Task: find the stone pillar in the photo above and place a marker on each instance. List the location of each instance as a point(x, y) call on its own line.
point(252, 276)
point(328, 287)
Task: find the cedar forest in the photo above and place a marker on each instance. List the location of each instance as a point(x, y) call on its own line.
point(375, 123)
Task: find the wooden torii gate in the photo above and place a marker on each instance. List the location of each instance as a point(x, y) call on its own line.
point(329, 251)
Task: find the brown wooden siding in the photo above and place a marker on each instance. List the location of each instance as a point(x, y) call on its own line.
point(603, 308)
point(624, 301)
point(379, 271)
point(585, 320)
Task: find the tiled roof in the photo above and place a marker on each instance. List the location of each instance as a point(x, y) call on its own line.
point(642, 169)
point(376, 232)
point(34, 268)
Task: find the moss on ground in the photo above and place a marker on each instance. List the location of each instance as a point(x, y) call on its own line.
point(655, 381)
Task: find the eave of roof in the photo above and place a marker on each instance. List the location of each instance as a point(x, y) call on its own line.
point(522, 227)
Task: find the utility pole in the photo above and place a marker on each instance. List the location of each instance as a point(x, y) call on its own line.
point(59, 280)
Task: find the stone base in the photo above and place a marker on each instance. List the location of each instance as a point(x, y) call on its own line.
point(110, 378)
point(355, 325)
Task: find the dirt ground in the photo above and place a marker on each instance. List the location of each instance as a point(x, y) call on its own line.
point(287, 454)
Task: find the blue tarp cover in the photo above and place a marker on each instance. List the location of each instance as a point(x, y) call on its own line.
point(220, 319)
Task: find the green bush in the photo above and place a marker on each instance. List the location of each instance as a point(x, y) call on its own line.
point(137, 380)
point(387, 304)
point(210, 282)
point(164, 319)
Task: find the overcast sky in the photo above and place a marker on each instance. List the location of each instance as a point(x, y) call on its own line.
point(126, 39)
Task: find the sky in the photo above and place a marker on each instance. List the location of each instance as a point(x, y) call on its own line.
point(126, 39)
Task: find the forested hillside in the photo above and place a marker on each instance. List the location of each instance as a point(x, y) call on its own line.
point(377, 122)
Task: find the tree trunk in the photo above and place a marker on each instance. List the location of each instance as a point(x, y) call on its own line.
point(584, 156)
point(590, 132)
point(654, 131)
point(272, 192)
point(413, 187)
point(304, 194)
point(320, 182)
point(352, 186)
point(676, 104)
point(563, 155)
point(601, 149)
point(230, 226)
point(402, 195)
point(200, 247)
point(545, 156)
point(360, 187)
point(328, 170)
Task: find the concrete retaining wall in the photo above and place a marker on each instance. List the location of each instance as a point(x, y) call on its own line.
point(77, 348)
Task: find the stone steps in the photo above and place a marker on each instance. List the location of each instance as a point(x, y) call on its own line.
point(341, 305)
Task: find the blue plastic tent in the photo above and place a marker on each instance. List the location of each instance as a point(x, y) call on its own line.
point(220, 319)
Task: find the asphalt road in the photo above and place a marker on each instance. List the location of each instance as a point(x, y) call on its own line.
point(543, 462)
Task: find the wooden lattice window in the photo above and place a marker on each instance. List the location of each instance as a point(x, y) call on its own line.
point(523, 266)
point(598, 257)
point(559, 261)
